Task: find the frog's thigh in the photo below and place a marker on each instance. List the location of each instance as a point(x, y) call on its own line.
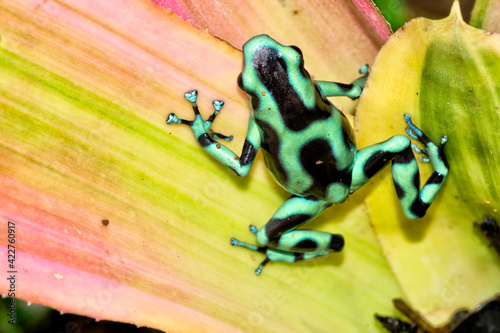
point(292, 213)
point(372, 159)
point(279, 232)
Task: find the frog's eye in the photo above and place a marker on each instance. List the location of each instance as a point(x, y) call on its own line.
point(296, 49)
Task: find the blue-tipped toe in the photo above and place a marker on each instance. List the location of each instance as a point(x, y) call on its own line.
point(191, 95)
point(172, 119)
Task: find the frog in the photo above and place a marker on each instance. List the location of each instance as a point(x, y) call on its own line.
point(309, 148)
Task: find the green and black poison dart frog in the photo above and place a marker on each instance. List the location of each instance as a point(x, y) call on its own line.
point(309, 148)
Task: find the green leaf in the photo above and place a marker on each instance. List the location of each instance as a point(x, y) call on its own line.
point(486, 14)
point(450, 85)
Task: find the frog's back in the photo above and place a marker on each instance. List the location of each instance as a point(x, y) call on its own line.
point(307, 143)
point(309, 161)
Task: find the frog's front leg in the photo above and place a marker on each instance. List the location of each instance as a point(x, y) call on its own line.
point(352, 90)
point(281, 242)
point(405, 174)
point(206, 138)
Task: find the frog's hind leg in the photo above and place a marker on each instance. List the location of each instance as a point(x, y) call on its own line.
point(281, 242)
point(273, 254)
point(398, 149)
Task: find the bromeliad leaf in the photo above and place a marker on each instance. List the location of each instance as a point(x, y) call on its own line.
point(486, 15)
point(450, 85)
point(85, 89)
point(336, 37)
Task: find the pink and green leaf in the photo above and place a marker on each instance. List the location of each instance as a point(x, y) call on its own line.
point(85, 91)
point(86, 87)
point(336, 37)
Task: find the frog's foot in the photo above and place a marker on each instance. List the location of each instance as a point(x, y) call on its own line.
point(273, 254)
point(294, 245)
point(434, 154)
point(198, 124)
point(352, 90)
point(190, 96)
point(253, 229)
point(421, 200)
point(364, 69)
point(261, 249)
point(359, 84)
point(217, 107)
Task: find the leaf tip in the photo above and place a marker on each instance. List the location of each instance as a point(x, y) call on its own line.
point(455, 12)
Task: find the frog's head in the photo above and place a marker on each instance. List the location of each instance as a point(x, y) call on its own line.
point(274, 76)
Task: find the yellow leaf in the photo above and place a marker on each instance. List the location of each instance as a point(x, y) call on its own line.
point(445, 74)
